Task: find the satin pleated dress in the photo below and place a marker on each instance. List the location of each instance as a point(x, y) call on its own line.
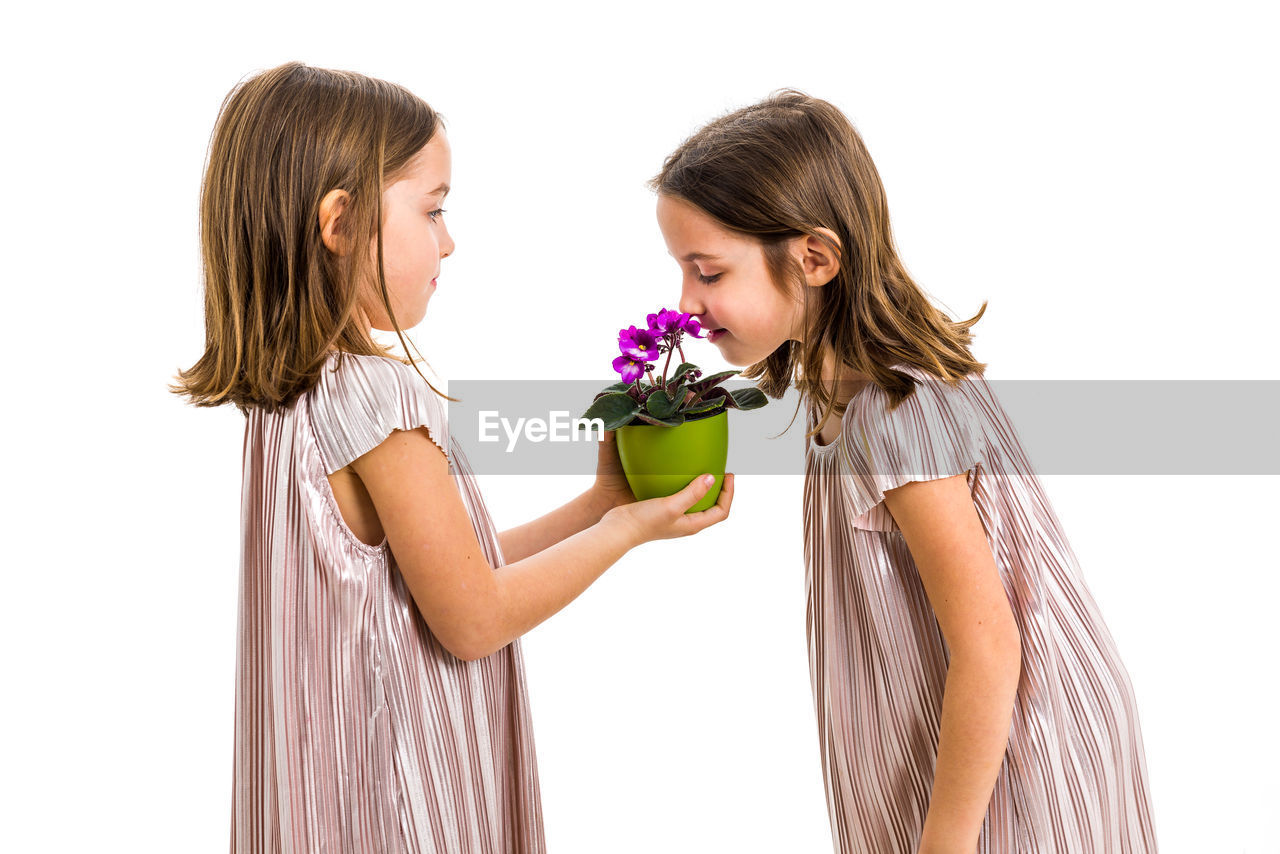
point(355, 730)
point(1074, 777)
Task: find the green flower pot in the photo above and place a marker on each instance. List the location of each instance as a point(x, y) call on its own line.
point(661, 461)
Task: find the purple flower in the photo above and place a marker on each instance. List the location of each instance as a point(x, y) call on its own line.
point(639, 344)
point(666, 321)
point(631, 369)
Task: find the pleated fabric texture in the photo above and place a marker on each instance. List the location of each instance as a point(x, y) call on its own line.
point(355, 730)
point(1074, 777)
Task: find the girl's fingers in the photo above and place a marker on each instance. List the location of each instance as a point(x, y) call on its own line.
point(726, 490)
point(692, 493)
point(717, 512)
point(725, 498)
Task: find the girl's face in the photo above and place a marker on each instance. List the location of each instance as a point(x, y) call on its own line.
point(726, 285)
point(414, 236)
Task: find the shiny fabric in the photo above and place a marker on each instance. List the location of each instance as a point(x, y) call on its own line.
point(1074, 779)
point(355, 730)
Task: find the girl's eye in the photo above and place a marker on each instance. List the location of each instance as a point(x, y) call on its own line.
point(435, 214)
point(709, 280)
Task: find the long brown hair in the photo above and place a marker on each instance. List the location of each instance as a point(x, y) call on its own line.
point(781, 169)
point(276, 299)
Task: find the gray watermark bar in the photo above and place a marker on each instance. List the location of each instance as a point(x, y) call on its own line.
point(1089, 427)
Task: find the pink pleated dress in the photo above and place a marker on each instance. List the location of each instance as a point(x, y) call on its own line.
point(1074, 778)
point(355, 730)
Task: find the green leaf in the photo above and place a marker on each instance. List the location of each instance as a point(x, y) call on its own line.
point(660, 404)
point(685, 367)
point(705, 406)
point(615, 409)
point(720, 396)
point(709, 382)
point(749, 398)
point(674, 421)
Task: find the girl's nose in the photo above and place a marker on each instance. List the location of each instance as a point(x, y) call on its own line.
point(689, 305)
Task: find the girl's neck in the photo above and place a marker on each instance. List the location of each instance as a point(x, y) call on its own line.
point(849, 383)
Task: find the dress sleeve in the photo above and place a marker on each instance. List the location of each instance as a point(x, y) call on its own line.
point(355, 407)
point(933, 433)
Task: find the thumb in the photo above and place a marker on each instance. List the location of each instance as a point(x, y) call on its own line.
point(694, 491)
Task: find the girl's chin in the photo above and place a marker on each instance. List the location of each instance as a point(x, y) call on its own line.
point(736, 354)
point(734, 358)
point(406, 323)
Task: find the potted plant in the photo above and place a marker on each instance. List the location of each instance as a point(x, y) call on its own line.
point(670, 429)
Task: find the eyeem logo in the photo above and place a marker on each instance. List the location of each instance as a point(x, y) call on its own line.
point(537, 430)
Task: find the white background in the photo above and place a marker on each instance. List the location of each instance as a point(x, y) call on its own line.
point(1103, 173)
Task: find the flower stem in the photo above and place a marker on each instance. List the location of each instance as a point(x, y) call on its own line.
point(672, 345)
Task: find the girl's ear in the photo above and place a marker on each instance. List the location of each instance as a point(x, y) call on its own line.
point(819, 261)
point(332, 233)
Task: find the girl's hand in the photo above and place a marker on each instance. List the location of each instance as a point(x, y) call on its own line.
point(611, 488)
point(665, 518)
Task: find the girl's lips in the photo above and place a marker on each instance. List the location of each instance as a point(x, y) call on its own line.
point(715, 333)
point(433, 283)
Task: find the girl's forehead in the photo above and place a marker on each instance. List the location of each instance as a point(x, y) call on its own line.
point(422, 175)
point(692, 235)
point(432, 162)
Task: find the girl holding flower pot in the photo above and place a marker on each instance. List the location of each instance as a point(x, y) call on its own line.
point(968, 693)
point(380, 694)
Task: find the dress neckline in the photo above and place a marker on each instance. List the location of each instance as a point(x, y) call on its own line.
point(827, 448)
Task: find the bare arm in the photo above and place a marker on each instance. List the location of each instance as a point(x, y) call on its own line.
point(532, 537)
point(609, 490)
point(471, 608)
point(942, 529)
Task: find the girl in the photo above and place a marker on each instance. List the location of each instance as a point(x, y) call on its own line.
point(380, 696)
point(968, 693)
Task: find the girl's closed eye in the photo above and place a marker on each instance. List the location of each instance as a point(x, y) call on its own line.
point(709, 280)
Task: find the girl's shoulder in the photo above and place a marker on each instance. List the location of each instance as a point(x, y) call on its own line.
point(935, 431)
point(360, 399)
point(929, 393)
point(363, 376)
point(934, 414)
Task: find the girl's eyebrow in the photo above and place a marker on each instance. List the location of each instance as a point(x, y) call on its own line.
point(443, 189)
point(700, 256)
